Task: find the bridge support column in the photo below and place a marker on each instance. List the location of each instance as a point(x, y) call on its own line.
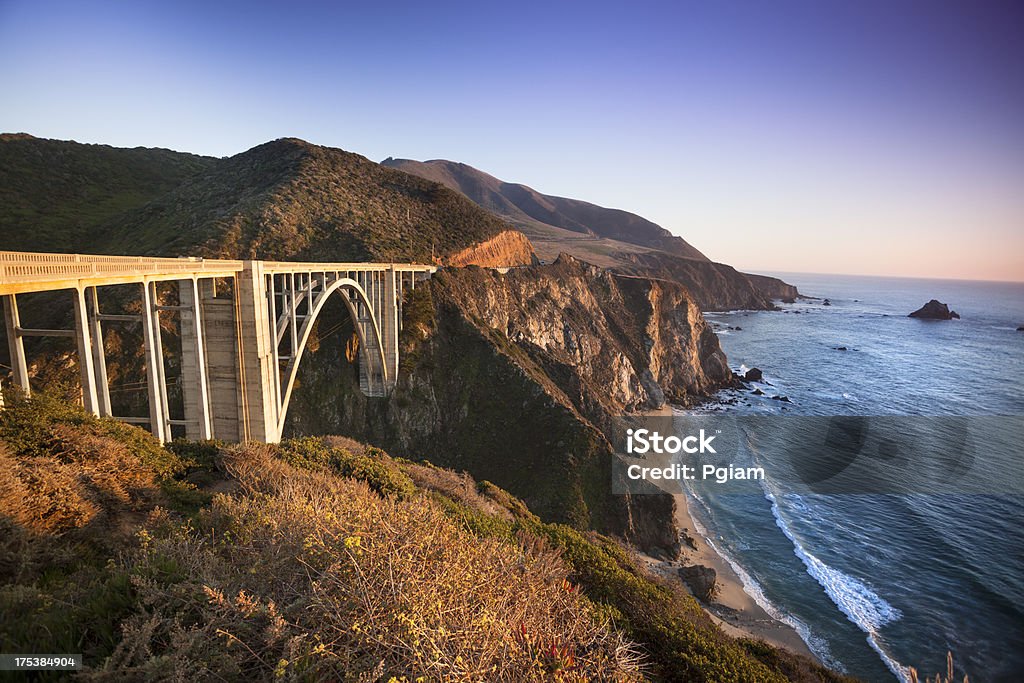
point(389, 326)
point(258, 408)
point(194, 369)
point(98, 354)
point(90, 401)
point(155, 380)
point(19, 365)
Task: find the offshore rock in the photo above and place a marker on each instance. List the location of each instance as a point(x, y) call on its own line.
point(934, 310)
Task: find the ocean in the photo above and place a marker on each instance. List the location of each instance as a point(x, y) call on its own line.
point(876, 579)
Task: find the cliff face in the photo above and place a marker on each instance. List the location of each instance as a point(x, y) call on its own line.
point(508, 248)
point(773, 287)
point(624, 342)
point(715, 286)
point(514, 378)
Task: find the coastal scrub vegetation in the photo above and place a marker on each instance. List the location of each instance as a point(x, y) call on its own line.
point(320, 558)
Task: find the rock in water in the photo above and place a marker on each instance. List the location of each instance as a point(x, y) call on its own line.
point(1021, 328)
point(934, 310)
point(701, 580)
point(753, 375)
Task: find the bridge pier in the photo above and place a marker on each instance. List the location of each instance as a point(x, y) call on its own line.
point(258, 377)
point(99, 357)
point(156, 381)
point(389, 325)
point(85, 354)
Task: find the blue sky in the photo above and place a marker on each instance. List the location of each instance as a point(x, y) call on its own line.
point(868, 137)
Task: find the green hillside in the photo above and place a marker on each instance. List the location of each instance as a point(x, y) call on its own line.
point(288, 199)
point(55, 195)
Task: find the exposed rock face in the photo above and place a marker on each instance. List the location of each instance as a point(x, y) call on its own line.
point(514, 378)
point(508, 248)
point(701, 580)
point(934, 310)
point(773, 287)
point(621, 341)
point(715, 286)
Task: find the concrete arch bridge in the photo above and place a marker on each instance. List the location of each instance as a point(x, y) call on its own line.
point(244, 326)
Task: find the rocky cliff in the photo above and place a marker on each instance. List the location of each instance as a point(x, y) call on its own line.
point(515, 377)
point(715, 286)
point(773, 287)
point(507, 248)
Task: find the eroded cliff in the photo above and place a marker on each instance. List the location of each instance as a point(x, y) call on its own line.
point(507, 248)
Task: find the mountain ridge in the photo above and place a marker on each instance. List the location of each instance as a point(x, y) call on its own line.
point(537, 213)
point(291, 199)
point(610, 238)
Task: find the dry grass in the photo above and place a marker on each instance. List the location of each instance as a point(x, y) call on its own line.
point(306, 575)
point(93, 485)
point(456, 486)
point(939, 678)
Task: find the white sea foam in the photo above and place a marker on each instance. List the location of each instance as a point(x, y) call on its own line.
point(817, 645)
point(854, 598)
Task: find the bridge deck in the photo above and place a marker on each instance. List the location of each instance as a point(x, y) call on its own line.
point(33, 272)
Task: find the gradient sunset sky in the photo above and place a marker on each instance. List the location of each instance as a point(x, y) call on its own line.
point(848, 137)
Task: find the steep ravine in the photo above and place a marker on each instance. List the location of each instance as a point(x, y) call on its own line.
point(514, 378)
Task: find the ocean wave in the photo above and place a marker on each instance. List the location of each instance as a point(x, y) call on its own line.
point(854, 598)
point(817, 645)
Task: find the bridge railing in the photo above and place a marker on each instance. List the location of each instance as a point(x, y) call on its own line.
point(278, 267)
point(21, 269)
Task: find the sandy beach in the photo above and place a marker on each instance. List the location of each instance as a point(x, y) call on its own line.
point(736, 612)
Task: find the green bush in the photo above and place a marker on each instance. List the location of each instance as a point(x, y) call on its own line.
point(373, 466)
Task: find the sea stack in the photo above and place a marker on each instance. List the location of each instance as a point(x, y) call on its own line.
point(935, 310)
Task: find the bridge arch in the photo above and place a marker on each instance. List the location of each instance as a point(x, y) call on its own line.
point(371, 351)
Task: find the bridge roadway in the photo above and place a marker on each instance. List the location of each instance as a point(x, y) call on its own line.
point(244, 326)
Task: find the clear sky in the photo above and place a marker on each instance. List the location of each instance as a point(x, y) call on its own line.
point(878, 137)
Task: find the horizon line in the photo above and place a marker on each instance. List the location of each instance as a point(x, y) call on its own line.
point(777, 271)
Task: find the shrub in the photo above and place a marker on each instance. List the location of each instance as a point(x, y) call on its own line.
point(316, 577)
point(364, 463)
